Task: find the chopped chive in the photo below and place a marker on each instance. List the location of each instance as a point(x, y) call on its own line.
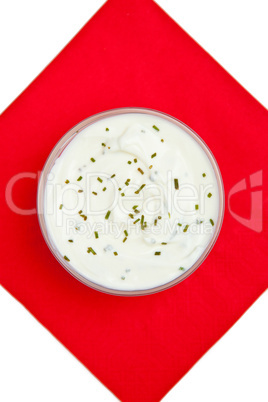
point(164, 243)
point(61, 205)
point(123, 278)
point(122, 194)
point(145, 224)
point(107, 214)
point(136, 211)
point(129, 162)
point(142, 222)
point(185, 228)
point(156, 128)
point(126, 233)
point(131, 216)
point(155, 222)
point(199, 222)
point(150, 167)
point(169, 215)
point(212, 222)
point(119, 189)
point(179, 224)
point(93, 160)
point(84, 216)
point(157, 253)
point(196, 206)
point(115, 253)
point(67, 181)
point(104, 189)
point(96, 235)
point(113, 175)
point(99, 179)
point(70, 241)
point(94, 192)
point(109, 147)
point(124, 239)
point(107, 129)
point(90, 250)
point(135, 160)
point(159, 217)
point(209, 195)
point(79, 178)
point(127, 183)
point(80, 191)
point(176, 184)
point(154, 155)
point(137, 220)
point(141, 187)
point(135, 207)
point(66, 258)
point(162, 140)
point(140, 170)
point(80, 212)
point(181, 269)
point(103, 144)
point(204, 174)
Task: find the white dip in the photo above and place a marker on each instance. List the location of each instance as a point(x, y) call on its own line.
point(149, 237)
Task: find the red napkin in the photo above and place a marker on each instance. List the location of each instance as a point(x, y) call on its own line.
point(132, 54)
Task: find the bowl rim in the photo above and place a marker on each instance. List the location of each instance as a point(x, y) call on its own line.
point(64, 142)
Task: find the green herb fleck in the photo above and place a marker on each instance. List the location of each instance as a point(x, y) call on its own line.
point(90, 250)
point(107, 214)
point(176, 184)
point(140, 170)
point(67, 181)
point(141, 187)
point(204, 174)
point(124, 239)
point(162, 140)
point(196, 206)
point(157, 253)
point(137, 220)
point(159, 217)
point(93, 160)
point(179, 224)
point(94, 192)
point(209, 195)
point(103, 144)
point(113, 175)
point(126, 233)
point(131, 216)
point(66, 258)
point(164, 243)
point(135, 160)
point(182, 269)
point(79, 178)
point(96, 235)
point(154, 155)
point(156, 128)
point(80, 191)
point(61, 206)
point(129, 162)
point(135, 207)
point(185, 228)
point(115, 253)
point(99, 179)
point(119, 189)
point(150, 167)
point(70, 241)
point(104, 189)
point(212, 222)
point(155, 222)
point(80, 212)
point(107, 129)
point(122, 194)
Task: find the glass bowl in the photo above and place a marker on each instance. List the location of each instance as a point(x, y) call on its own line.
point(56, 152)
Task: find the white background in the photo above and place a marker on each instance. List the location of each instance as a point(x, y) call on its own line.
point(33, 365)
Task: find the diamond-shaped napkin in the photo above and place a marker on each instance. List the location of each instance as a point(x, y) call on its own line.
point(132, 54)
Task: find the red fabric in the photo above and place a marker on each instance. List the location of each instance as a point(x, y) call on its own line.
point(132, 54)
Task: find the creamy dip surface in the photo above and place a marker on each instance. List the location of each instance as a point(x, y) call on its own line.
point(132, 202)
